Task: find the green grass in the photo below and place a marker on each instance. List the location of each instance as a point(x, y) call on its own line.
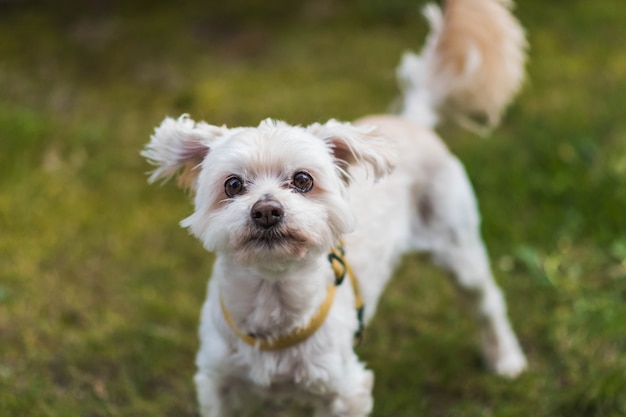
point(100, 290)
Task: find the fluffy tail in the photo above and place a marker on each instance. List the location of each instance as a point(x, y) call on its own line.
point(470, 67)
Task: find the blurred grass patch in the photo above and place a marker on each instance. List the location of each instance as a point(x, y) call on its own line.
point(100, 290)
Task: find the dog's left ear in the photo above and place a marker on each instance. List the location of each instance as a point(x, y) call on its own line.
point(178, 147)
point(354, 145)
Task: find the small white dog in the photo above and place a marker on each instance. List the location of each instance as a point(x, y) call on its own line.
point(274, 201)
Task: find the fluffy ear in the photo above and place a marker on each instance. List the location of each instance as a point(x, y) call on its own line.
point(354, 145)
point(178, 146)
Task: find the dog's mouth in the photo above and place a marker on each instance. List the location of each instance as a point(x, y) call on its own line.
point(272, 239)
point(273, 243)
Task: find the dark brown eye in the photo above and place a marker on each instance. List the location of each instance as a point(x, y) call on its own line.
point(302, 182)
point(233, 186)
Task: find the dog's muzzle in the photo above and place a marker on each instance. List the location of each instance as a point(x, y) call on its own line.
point(267, 213)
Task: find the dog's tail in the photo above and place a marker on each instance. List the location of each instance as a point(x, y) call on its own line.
point(470, 67)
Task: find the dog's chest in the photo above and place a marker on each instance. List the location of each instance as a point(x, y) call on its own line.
point(266, 309)
point(296, 374)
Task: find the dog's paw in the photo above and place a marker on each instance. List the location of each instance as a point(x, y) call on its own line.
point(510, 365)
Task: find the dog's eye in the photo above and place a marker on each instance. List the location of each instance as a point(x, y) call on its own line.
point(233, 186)
point(302, 182)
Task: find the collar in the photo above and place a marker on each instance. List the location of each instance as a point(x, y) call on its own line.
point(341, 268)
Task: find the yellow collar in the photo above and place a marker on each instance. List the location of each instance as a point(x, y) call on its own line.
point(340, 268)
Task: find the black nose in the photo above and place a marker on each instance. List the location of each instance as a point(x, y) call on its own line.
point(267, 213)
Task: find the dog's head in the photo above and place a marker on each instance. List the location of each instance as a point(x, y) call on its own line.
point(272, 193)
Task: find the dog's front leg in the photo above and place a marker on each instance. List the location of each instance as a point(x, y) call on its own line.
point(210, 397)
point(354, 394)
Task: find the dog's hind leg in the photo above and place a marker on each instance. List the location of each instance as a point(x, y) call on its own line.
point(449, 222)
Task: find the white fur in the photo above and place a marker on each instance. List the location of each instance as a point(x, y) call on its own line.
point(273, 280)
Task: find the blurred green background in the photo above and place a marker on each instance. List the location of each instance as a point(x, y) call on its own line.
point(100, 290)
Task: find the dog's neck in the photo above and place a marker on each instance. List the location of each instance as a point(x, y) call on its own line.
point(269, 302)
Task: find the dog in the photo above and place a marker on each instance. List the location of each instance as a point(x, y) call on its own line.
point(308, 223)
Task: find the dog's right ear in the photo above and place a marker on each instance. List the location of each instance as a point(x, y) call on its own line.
point(178, 146)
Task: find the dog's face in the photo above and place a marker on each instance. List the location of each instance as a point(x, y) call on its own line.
point(269, 194)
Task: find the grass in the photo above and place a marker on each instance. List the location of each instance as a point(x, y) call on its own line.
point(100, 290)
